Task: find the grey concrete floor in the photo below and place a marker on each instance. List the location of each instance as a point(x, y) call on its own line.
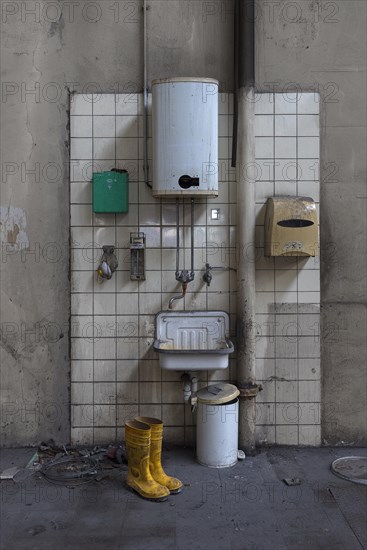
point(247, 507)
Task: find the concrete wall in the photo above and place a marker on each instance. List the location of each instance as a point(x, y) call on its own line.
point(322, 46)
point(53, 47)
point(54, 50)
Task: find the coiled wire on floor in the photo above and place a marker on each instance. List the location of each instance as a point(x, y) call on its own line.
point(71, 470)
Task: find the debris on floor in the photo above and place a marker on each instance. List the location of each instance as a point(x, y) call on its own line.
point(68, 465)
point(290, 481)
point(9, 473)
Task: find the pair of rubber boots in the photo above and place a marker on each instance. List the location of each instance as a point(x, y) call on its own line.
point(143, 438)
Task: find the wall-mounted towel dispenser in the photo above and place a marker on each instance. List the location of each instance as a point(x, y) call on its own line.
point(111, 191)
point(291, 227)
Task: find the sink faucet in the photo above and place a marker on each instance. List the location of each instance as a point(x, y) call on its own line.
point(207, 277)
point(178, 297)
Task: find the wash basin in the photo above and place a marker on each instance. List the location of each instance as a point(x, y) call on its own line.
point(192, 340)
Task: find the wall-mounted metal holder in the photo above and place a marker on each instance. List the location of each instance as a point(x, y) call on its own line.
point(137, 256)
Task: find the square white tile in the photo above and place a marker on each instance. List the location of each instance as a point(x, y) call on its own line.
point(285, 125)
point(104, 126)
point(127, 304)
point(81, 126)
point(80, 104)
point(285, 147)
point(286, 169)
point(80, 215)
point(264, 103)
point(127, 370)
point(223, 104)
point(104, 304)
point(223, 130)
point(127, 104)
point(308, 125)
point(285, 103)
point(309, 346)
point(264, 147)
point(308, 280)
point(81, 193)
point(128, 348)
point(104, 149)
point(127, 148)
point(150, 214)
point(309, 391)
point(286, 435)
point(82, 304)
point(285, 280)
point(81, 371)
point(105, 348)
point(264, 125)
point(126, 126)
point(309, 189)
point(104, 104)
point(285, 188)
point(127, 392)
point(81, 148)
point(308, 147)
point(81, 281)
point(310, 413)
point(81, 393)
point(310, 435)
point(309, 169)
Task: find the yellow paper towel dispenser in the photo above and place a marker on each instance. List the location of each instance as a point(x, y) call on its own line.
point(291, 227)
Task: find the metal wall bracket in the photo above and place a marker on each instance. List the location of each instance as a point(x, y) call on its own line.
point(250, 390)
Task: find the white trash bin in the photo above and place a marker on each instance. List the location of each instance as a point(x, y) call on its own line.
point(217, 426)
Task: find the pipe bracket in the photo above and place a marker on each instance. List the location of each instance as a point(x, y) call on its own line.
point(249, 391)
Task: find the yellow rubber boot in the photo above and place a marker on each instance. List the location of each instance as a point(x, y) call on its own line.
point(139, 478)
point(173, 484)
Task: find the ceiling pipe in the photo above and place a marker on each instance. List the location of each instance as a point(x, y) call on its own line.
point(245, 164)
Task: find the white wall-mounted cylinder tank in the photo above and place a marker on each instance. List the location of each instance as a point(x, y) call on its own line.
point(185, 137)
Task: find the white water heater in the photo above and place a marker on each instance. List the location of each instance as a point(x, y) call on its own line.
point(185, 137)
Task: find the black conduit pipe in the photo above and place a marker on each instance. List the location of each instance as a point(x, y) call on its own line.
point(244, 58)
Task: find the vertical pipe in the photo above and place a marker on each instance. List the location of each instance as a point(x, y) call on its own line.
point(246, 337)
point(235, 92)
point(192, 237)
point(177, 235)
point(145, 96)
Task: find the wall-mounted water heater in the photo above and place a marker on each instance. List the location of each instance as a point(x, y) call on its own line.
point(185, 137)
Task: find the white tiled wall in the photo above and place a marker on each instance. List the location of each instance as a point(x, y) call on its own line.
point(287, 289)
point(115, 373)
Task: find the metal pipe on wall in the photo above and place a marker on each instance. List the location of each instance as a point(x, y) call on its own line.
point(245, 163)
point(145, 96)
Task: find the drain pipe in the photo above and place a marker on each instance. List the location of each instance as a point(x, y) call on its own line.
point(245, 163)
point(190, 389)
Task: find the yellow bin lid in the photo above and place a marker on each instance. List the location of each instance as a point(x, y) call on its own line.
point(218, 394)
